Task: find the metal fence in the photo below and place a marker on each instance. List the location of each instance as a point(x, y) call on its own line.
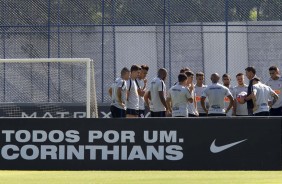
point(223, 36)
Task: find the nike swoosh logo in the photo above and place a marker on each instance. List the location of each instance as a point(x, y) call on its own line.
point(217, 149)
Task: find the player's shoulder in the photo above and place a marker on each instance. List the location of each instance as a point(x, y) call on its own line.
point(231, 87)
point(139, 80)
point(119, 80)
point(154, 80)
point(157, 80)
point(222, 86)
point(204, 86)
point(259, 85)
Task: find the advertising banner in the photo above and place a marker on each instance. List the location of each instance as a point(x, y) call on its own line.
point(140, 144)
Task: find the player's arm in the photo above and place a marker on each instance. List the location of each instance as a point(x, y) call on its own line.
point(195, 102)
point(168, 103)
point(127, 94)
point(274, 96)
point(203, 98)
point(145, 84)
point(249, 97)
point(190, 100)
point(191, 88)
point(189, 96)
point(196, 105)
point(253, 96)
point(230, 97)
point(234, 107)
point(147, 98)
point(162, 98)
point(119, 97)
point(141, 92)
point(110, 91)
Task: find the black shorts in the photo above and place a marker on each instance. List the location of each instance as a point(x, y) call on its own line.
point(276, 111)
point(192, 115)
point(158, 114)
point(203, 115)
point(132, 112)
point(117, 112)
point(265, 113)
point(141, 113)
point(216, 114)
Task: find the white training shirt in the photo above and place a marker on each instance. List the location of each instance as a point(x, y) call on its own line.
point(227, 102)
point(191, 106)
point(198, 93)
point(276, 85)
point(140, 85)
point(216, 93)
point(119, 83)
point(155, 104)
point(241, 109)
point(133, 97)
point(179, 97)
point(263, 93)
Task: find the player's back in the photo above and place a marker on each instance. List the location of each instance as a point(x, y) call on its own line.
point(179, 97)
point(227, 101)
point(157, 85)
point(263, 94)
point(276, 85)
point(133, 97)
point(119, 83)
point(216, 93)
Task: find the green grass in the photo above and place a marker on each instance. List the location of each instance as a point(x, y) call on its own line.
point(138, 177)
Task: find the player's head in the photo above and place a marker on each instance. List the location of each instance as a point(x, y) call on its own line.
point(135, 71)
point(184, 69)
point(215, 77)
point(162, 73)
point(125, 73)
point(226, 79)
point(182, 78)
point(190, 76)
point(144, 71)
point(273, 72)
point(240, 78)
point(250, 72)
point(200, 77)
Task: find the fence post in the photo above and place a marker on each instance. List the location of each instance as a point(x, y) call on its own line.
point(169, 42)
point(103, 37)
point(114, 36)
point(4, 49)
point(49, 37)
point(164, 28)
point(226, 34)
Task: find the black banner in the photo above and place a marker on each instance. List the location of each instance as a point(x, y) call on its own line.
point(52, 110)
point(140, 144)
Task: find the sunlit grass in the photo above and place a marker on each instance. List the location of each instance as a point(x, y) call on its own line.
point(138, 177)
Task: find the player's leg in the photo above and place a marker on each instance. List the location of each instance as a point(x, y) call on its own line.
point(113, 111)
point(141, 113)
point(131, 113)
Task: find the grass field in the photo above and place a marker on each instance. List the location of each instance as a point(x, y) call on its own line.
point(138, 177)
